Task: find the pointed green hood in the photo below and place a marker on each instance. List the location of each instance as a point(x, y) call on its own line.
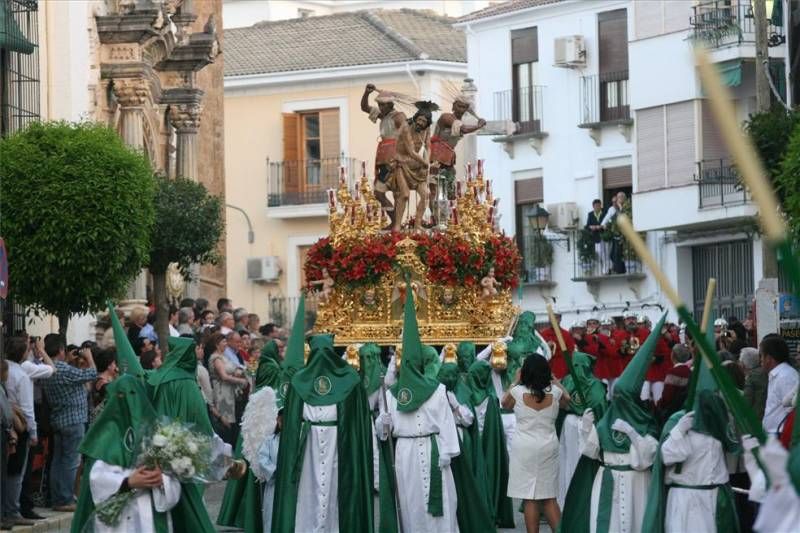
point(180, 363)
point(116, 435)
point(417, 381)
point(268, 372)
point(293, 359)
point(582, 365)
point(479, 381)
point(127, 361)
point(372, 370)
point(466, 355)
point(327, 379)
point(710, 413)
point(626, 402)
point(525, 332)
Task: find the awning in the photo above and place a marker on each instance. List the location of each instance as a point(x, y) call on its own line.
point(11, 37)
point(731, 72)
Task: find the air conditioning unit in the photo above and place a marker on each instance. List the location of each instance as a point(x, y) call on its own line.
point(263, 269)
point(563, 216)
point(569, 52)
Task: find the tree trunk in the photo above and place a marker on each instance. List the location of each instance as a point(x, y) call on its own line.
point(63, 323)
point(162, 309)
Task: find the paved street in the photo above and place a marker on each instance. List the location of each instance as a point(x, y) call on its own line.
point(214, 500)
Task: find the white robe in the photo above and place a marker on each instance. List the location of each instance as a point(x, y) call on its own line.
point(268, 463)
point(137, 516)
point(569, 453)
point(703, 463)
point(780, 504)
point(630, 487)
point(412, 460)
point(317, 503)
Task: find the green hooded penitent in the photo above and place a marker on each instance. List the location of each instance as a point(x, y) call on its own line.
point(295, 349)
point(493, 441)
point(465, 353)
point(116, 438)
point(469, 467)
point(241, 504)
point(175, 394)
point(417, 380)
point(710, 418)
point(327, 380)
point(127, 361)
point(582, 365)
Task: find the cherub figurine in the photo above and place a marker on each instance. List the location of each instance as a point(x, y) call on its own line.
point(489, 284)
point(450, 355)
point(499, 358)
point(352, 356)
point(326, 283)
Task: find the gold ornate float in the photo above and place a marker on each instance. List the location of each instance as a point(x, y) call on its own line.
point(454, 302)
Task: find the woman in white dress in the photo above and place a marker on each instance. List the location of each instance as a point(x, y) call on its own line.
point(535, 397)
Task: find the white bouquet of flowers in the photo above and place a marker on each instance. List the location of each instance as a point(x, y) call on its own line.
point(174, 448)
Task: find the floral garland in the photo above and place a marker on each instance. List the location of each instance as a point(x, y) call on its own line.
point(451, 261)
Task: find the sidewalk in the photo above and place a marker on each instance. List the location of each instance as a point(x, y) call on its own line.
point(53, 523)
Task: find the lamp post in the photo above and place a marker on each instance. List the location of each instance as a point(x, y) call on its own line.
point(538, 218)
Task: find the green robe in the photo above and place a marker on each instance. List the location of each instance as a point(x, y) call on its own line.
point(354, 440)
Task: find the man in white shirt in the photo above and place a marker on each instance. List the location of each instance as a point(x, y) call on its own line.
point(783, 380)
point(19, 389)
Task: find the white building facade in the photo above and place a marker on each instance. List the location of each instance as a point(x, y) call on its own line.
point(605, 98)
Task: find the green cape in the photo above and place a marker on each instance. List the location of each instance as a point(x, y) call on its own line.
point(626, 402)
point(127, 361)
point(582, 365)
point(241, 503)
point(116, 438)
point(176, 395)
point(525, 332)
point(479, 382)
point(417, 380)
point(372, 370)
point(710, 414)
point(354, 446)
point(327, 379)
point(465, 353)
point(469, 469)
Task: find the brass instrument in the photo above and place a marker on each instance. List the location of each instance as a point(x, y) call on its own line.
point(552, 346)
point(499, 357)
point(352, 357)
point(633, 345)
point(450, 355)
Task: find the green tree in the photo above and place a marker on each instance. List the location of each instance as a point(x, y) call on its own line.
point(787, 182)
point(770, 132)
point(77, 210)
point(188, 226)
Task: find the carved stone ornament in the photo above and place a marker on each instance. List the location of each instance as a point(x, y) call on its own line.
point(131, 92)
point(185, 117)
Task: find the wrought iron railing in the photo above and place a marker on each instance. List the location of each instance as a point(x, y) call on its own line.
point(282, 310)
point(306, 181)
point(719, 184)
point(19, 65)
point(611, 256)
point(604, 98)
point(537, 260)
point(723, 23)
point(521, 106)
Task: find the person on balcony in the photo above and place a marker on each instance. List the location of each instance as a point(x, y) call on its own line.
point(617, 259)
point(594, 221)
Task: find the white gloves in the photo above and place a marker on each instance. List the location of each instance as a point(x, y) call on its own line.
point(507, 339)
point(774, 458)
point(385, 421)
point(623, 427)
point(685, 423)
point(587, 420)
point(454, 404)
point(444, 460)
point(749, 443)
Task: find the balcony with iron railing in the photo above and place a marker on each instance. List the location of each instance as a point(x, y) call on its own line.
point(719, 184)
point(537, 261)
point(522, 112)
point(611, 257)
point(720, 23)
point(282, 310)
point(604, 99)
point(306, 182)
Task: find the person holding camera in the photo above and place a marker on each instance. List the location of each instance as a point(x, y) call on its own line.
point(69, 413)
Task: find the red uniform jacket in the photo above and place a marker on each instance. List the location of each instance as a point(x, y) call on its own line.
point(607, 358)
point(662, 361)
point(558, 366)
point(618, 360)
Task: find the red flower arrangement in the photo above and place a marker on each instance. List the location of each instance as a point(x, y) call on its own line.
point(450, 260)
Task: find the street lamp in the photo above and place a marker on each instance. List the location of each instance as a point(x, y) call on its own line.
point(538, 218)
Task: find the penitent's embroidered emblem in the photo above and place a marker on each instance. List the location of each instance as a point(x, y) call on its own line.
point(322, 385)
point(129, 440)
point(404, 396)
point(284, 389)
point(618, 437)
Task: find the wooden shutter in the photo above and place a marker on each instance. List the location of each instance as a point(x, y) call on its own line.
point(529, 191)
point(329, 133)
point(713, 146)
point(650, 148)
point(524, 46)
point(612, 31)
point(680, 143)
point(617, 177)
point(291, 152)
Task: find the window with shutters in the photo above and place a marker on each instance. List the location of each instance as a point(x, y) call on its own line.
point(526, 100)
point(615, 180)
point(311, 157)
point(612, 31)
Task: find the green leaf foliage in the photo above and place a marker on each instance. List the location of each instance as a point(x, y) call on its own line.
point(188, 225)
point(787, 182)
point(771, 131)
point(76, 210)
